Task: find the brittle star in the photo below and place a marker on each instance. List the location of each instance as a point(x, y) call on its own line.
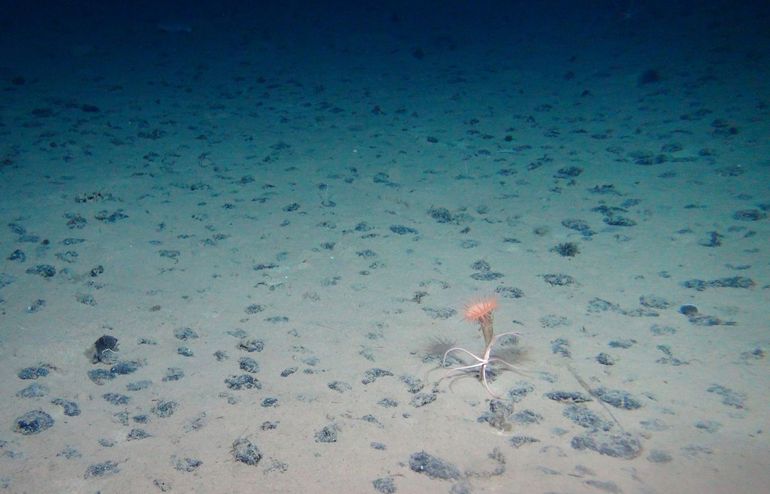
point(482, 362)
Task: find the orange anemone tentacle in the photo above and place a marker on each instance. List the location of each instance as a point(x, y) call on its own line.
point(480, 310)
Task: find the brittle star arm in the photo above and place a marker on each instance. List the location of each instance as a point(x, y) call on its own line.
point(478, 359)
point(481, 363)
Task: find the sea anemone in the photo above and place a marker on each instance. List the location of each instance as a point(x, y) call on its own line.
point(481, 310)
